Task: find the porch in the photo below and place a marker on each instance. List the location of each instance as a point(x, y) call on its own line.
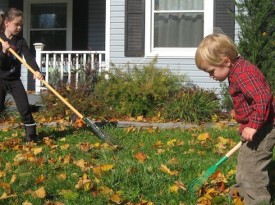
point(67, 66)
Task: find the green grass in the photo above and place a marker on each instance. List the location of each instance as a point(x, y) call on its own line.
point(132, 180)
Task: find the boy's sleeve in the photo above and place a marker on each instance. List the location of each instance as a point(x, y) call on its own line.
point(259, 98)
point(28, 56)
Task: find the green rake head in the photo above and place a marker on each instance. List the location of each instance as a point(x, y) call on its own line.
point(198, 182)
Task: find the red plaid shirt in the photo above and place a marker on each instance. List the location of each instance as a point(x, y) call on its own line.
point(251, 95)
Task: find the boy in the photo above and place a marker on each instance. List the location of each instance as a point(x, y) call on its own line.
point(252, 101)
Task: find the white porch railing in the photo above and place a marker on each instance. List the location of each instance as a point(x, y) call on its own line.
point(67, 64)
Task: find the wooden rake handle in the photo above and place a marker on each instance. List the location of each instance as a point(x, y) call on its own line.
point(234, 149)
point(44, 82)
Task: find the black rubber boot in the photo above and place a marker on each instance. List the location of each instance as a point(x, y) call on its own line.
point(31, 135)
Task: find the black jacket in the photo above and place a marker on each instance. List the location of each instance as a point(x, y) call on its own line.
point(10, 67)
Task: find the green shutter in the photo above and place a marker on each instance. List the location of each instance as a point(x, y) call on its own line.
point(224, 16)
point(134, 28)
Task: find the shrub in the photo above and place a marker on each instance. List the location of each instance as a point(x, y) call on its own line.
point(80, 95)
point(192, 104)
point(257, 23)
point(139, 90)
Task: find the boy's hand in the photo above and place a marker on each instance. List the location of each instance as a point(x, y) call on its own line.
point(38, 75)
point(248, 133)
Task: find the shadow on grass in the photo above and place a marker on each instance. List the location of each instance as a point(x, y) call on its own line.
point(55, 134)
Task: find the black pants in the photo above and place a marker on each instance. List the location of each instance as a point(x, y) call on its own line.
point(17, 90)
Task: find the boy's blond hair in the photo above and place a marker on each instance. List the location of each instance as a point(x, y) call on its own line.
point(213, 48)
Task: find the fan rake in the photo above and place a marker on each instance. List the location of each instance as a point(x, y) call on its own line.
point(198, 182)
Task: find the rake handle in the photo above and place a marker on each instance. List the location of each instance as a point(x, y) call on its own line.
point(234, 149)
point(228, 154)
point(44, 82)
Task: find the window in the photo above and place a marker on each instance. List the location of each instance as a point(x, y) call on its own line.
point(49, 23)
point(175, 27)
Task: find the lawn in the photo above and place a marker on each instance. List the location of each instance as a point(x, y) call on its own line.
point(152, 167)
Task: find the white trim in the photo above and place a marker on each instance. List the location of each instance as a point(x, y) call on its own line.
point(30, 125)
point(175, 52)
point(27, 16)
point(107, 33)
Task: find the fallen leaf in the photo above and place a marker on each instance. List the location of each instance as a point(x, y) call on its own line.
point(40, 179)
point(6, 186)
point(171, 143)
point(174, 188)
point(166, 170)
point(106, 190)
point(6, 196)
point(64, 147)
point(26, 203)
point(2, 174)
point(203, 136)
point(116, 198)
point(62, 176)
point(37, 150)
point(140, 118)
point(141, 157)
point(158, 144)
point(79, 123)
point(39, 193)
point(13, 178)
point(173, 161)
point(102, 168)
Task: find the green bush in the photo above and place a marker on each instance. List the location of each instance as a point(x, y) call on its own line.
point(134, 91)
point(192, 104)
point(257, 23)
point(139, 90)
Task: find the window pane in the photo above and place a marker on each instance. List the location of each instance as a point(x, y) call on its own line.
point(54, 40)
point(48, 15)
point(178, 29)
point(178, 5)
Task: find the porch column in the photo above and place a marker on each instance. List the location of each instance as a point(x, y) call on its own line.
point(38, 48)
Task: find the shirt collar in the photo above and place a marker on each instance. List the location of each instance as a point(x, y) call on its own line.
point(235, 64)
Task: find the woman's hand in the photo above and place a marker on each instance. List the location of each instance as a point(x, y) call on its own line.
point(38, 75)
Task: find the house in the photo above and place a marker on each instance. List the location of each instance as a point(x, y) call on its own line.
point(127, 31)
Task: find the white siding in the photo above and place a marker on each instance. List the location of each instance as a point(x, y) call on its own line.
point(237, 28)
point(177, 65)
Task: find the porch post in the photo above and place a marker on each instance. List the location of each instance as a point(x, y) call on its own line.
point(107, 33)
point(38, 57)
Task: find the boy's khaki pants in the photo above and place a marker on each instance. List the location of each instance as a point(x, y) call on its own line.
point(252, 170)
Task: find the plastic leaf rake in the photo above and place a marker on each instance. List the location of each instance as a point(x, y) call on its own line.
point(198, 182)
